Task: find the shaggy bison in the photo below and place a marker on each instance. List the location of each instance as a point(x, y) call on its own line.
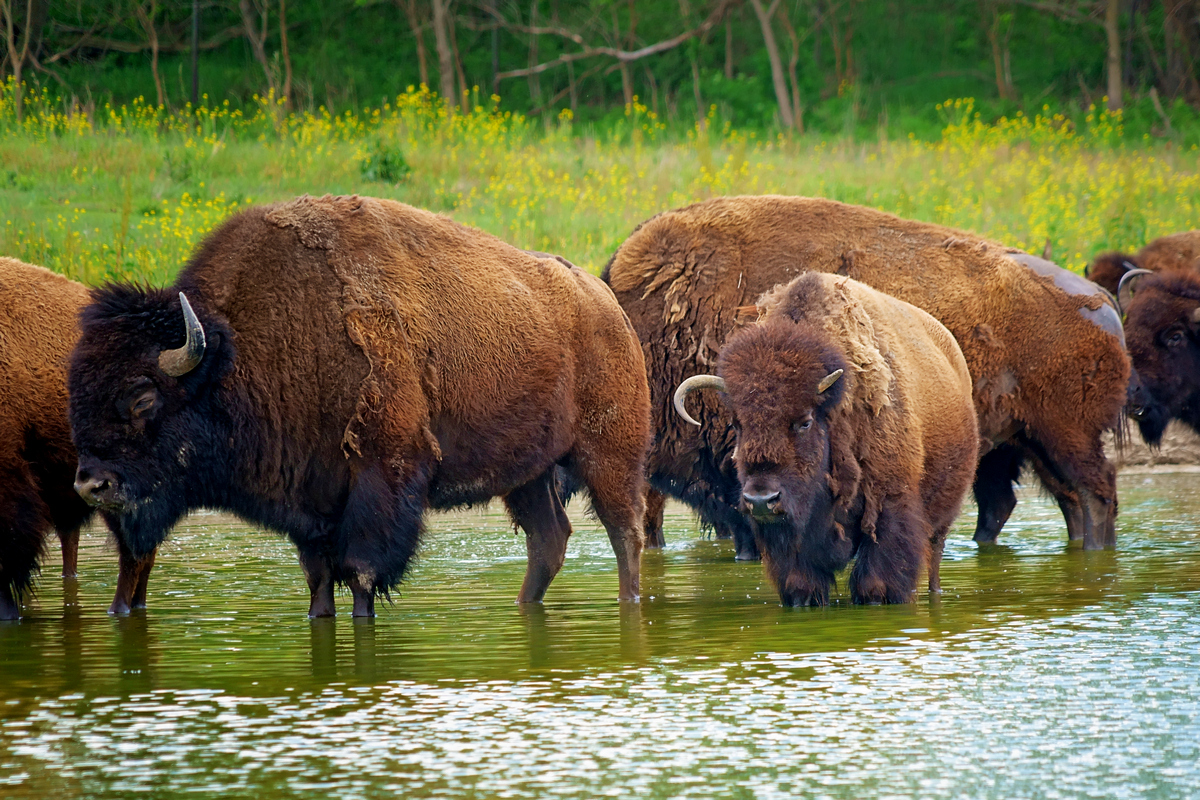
point(855, 437)
point(1049, 375)
point(329, 368)
point(38, 327)
point(1179, 251)
point(1162, 328)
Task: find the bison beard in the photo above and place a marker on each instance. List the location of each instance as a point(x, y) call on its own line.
point(856, 437)
point(362, 361)
point(1162, 328)
point(38, 326)
point(1049, 378)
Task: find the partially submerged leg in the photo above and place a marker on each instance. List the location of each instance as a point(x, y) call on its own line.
point(70, 551)
point(132, 573)
point(1084, 484)
point(886, 568)
point(934, 565)
point(993, 488)
point(536, 508)
point(653, 521)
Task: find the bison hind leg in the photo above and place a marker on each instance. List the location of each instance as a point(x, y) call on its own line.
point(378, 534)
point(993, 488)
point(24, 523)
point(537, 509)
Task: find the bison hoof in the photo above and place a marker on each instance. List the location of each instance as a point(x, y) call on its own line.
point(119, 608)
point(747, 555)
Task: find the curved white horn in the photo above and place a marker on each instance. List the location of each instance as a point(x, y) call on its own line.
point(692, 384)
point(828, 380)
point(1125, 287)
point(183, 360)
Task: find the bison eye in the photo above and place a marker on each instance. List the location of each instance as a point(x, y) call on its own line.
point(143, 404)
point(1175, 339)
point(801, 425)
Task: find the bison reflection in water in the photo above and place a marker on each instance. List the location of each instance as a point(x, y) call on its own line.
point(347, 363)
point(1162, 329)
point(856, 437)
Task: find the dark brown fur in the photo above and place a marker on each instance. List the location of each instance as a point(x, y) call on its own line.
point(1162, 329)
point(876, 465)
point(1179, 251)
point(1046, 380)
point(367, 360)
point(38, 327)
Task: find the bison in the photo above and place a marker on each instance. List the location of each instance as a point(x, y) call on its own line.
point(329, 368)
point(1162, 328)
point(38, 327)
point(1179, 251)
point(855, 437)
point(1048, 367)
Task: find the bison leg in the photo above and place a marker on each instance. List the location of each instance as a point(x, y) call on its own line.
point(69, 539)
point(653, 521)
point(319, 575)
point(24, 520)
point(129, 579)
point(537, 509)
point(743, 540)
point(936, 546)
point(994, 495)
point(886, 568)
point(1085, 486)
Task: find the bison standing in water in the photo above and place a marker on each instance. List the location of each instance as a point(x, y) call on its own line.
point(1162, 328)
point(856, 436)
point(39, 314)
point(1179, 251)
point(1049, 370)
point(349, 362)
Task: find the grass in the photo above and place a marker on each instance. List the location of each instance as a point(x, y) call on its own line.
point(125, 193)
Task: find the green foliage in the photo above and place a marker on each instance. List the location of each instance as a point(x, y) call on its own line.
point(385, 163)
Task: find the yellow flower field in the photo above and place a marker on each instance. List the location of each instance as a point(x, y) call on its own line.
point(126, 193)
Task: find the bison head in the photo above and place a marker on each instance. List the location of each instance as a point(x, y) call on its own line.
point(142, 409)
point(782, 382)
point(1162, 333)
point(1107, 269)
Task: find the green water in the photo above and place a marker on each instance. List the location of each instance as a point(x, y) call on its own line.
point(1042, 672)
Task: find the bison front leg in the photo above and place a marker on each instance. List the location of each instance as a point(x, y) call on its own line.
point(1085, 487)
point(652, 523)
point(886, 568)
point(319, 575)
point(993, 489)
point(69, 539)
point(536, 508)
point(132, 576)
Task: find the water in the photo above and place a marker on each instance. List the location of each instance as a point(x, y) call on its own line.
point(1042, 672)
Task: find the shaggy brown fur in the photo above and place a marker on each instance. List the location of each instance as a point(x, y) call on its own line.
point(38, 327)
point(1046, 379)
point(1179, 251)
point(366, 360)
point(876, 465)
point(1162, 328)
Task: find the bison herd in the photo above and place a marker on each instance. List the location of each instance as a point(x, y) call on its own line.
point(821, 382)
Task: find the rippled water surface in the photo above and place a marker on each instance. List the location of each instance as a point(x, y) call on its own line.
point(1042, 672)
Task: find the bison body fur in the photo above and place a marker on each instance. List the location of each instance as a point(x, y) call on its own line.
point(1047, 381)
point(873, 462)
point(365, 360)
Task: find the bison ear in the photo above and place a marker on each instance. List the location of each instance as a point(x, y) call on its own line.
point(828, 380)
point(1196, 315)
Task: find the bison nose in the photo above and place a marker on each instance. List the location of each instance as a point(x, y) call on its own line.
point(97, 488)
point(764, 505)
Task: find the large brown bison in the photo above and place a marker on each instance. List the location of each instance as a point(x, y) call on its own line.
point(329, 368)
point(1049, 370)
point(38, 327)
point(1179, 251)
point(1162, 328)
point(855, 437)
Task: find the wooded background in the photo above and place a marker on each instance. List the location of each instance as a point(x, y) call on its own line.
point(848, 66)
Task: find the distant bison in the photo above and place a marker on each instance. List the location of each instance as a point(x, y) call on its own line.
point(1179, 251)
point(1162, 328)
point(38, 327)
point(329, 368)
point(1048, 366)
point(856, 436)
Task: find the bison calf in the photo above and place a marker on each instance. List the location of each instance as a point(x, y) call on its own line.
point(856, 437)
point(329, 368)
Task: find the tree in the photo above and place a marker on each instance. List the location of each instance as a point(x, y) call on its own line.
point(441, 24)
point(778, 79)
point(1112, 32)
point(17, 56)
point(416, 14)
point(146, 14)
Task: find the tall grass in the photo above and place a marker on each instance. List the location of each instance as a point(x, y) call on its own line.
point(127, 192)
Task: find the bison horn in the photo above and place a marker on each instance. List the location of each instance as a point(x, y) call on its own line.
point(1125, 287)
point(692, 384)
point(183, 360)
point(828, 380)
